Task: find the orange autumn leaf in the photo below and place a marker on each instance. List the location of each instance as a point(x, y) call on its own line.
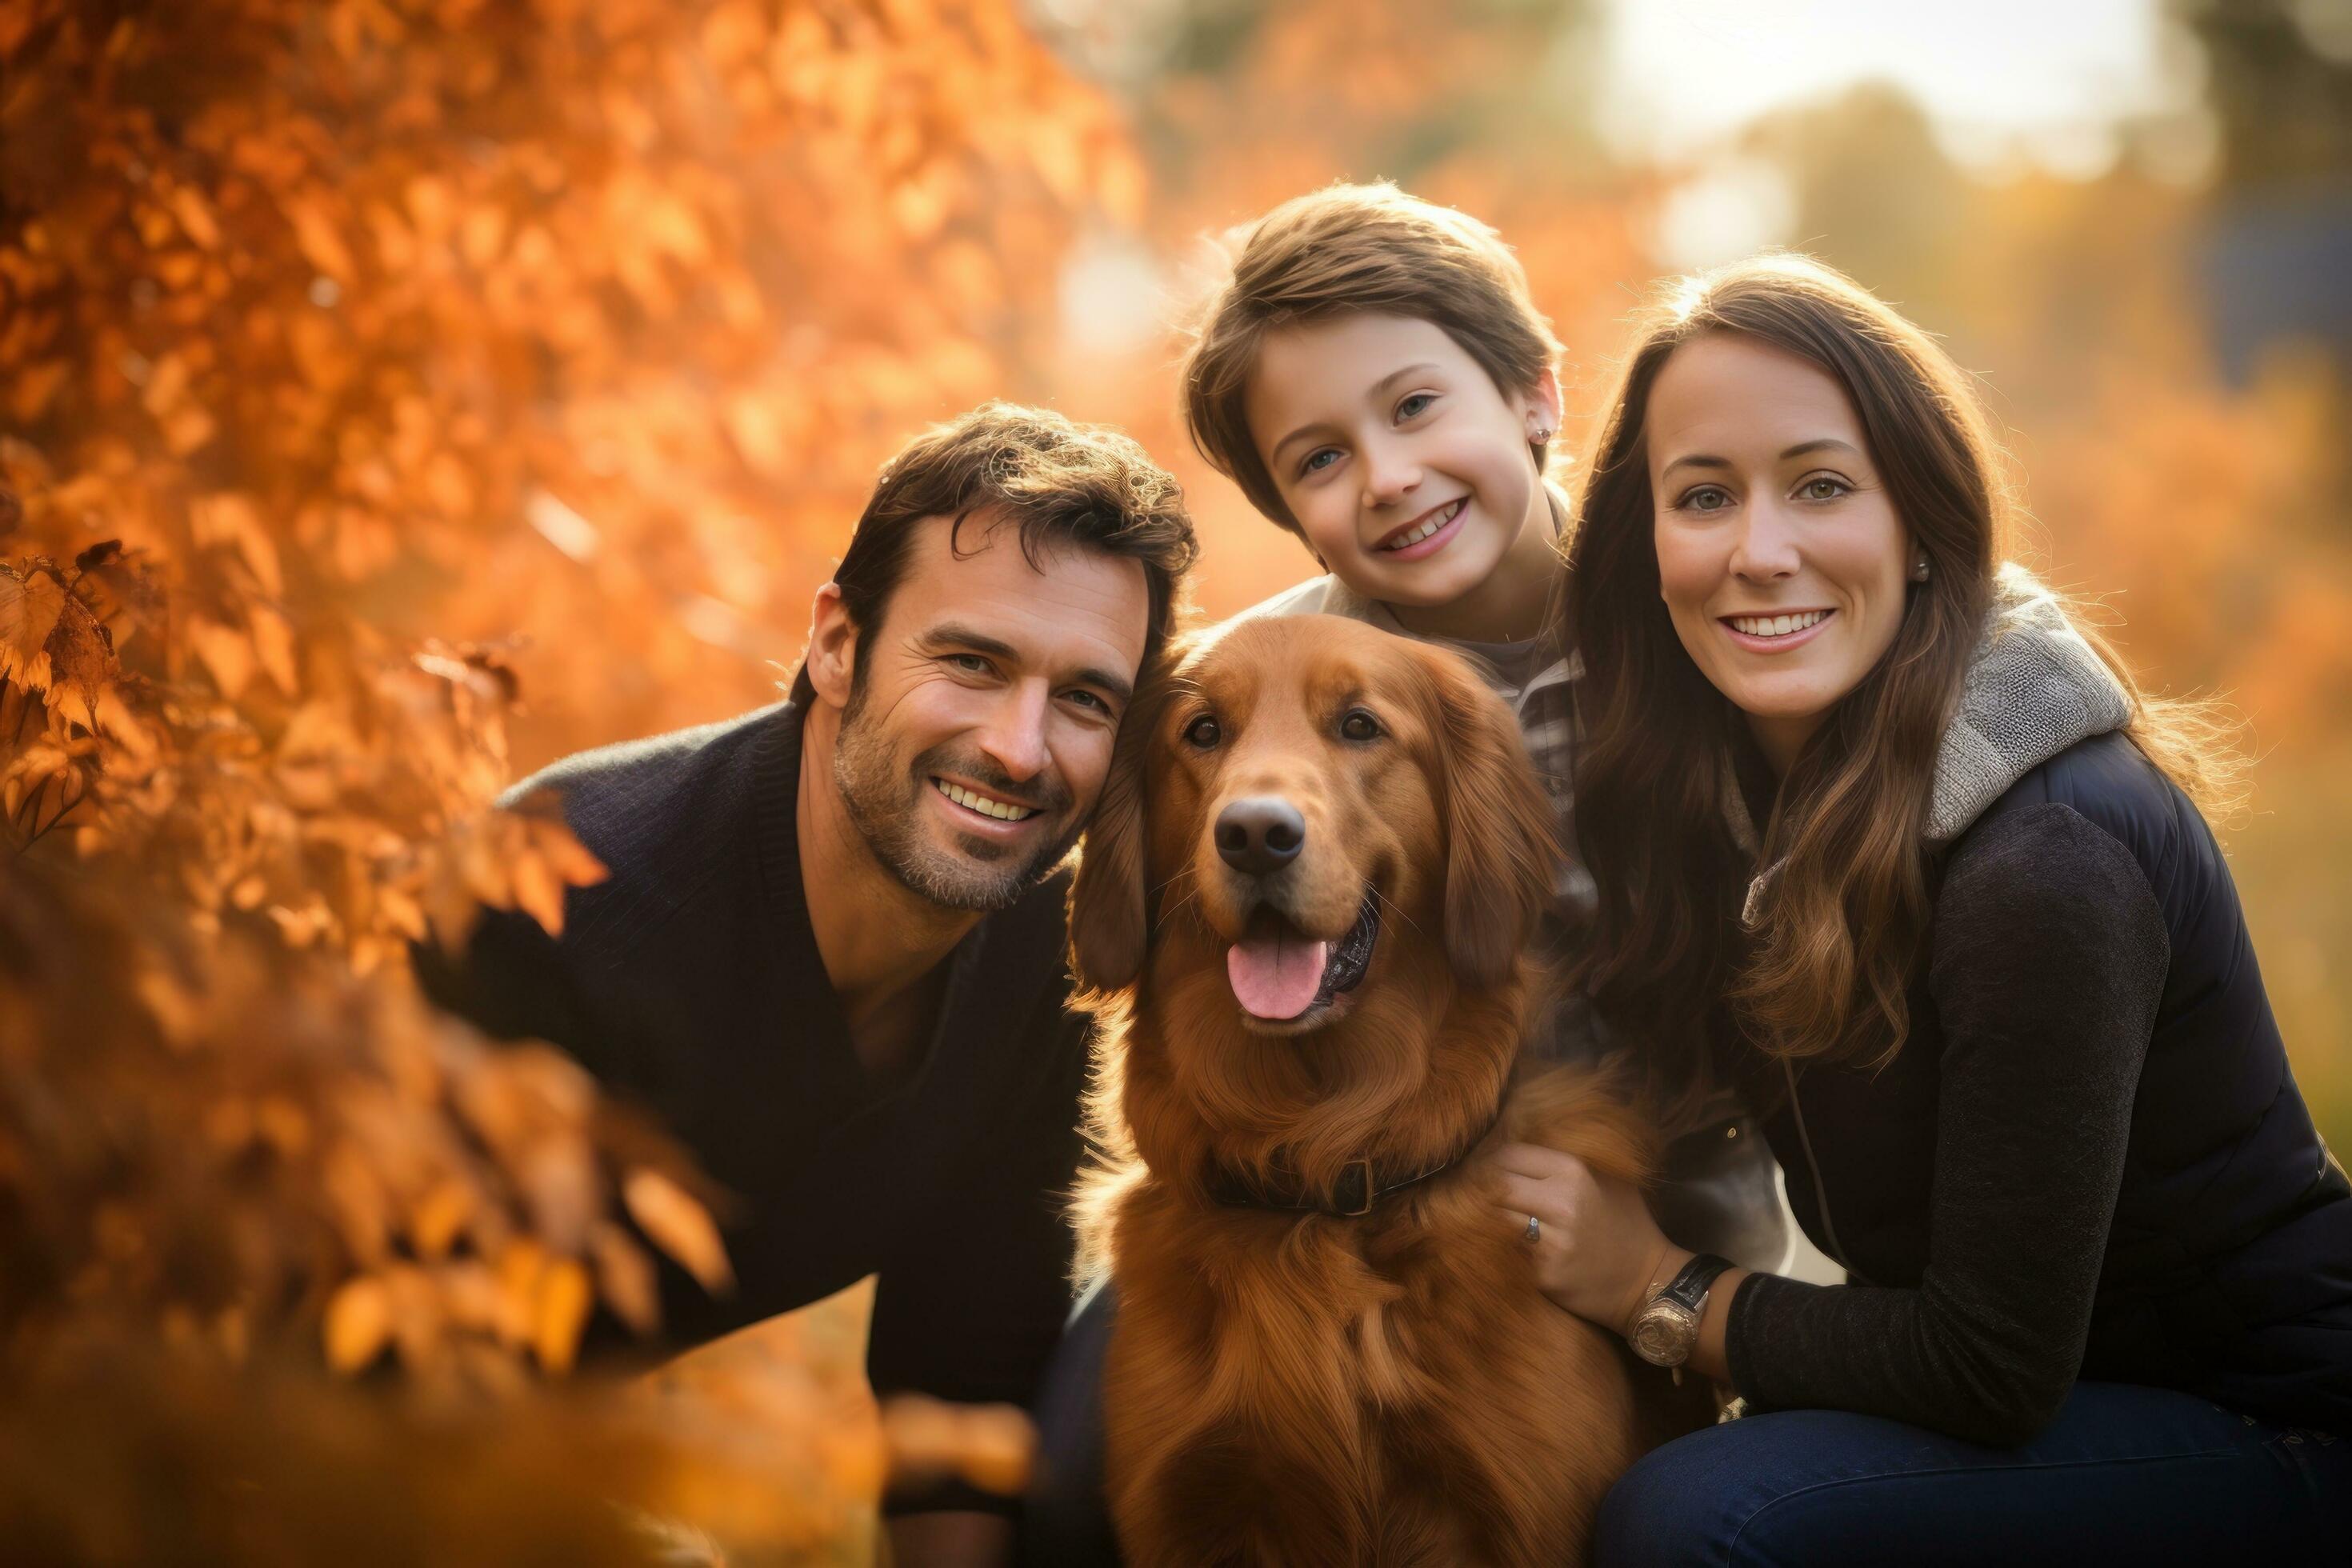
point(29, 608)
point(319, 239)
point(679, 1225)
point(626, 1278)
point(232, 520)
point(195, 216)
point(566, 1298)
point(30, 394)
point(993, 1446)
point(573, 862)
point(226, 654)
point(520, 1269)
point(82, 669)
point(124, 727)
point(274, 648)
point(28, 778)
point(167, 383)
point(357, 1324)
point(537, 893)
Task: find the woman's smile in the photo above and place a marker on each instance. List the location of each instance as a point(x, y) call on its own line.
point(1774, 633)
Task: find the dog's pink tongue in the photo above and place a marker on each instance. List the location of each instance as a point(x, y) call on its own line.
point(1275, 976)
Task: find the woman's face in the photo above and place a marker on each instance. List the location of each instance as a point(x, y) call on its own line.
point(1781, 560)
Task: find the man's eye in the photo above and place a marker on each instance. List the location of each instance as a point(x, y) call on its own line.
point(1359, 725)
point(1318, 459)
point(1415, 404)
point(1088, 700)
point(970, 663)
point(1202, 733)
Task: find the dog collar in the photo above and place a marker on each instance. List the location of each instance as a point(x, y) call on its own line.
point(1360, 1183)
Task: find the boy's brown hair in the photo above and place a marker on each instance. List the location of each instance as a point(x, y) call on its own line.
point(1348, 250)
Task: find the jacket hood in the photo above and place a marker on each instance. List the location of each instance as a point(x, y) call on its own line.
point(2035, 687)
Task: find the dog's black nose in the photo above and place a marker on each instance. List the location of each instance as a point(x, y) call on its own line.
point(1262, 833)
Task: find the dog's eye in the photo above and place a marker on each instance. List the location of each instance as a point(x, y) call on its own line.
point(1359, 725)
point(1203, 732)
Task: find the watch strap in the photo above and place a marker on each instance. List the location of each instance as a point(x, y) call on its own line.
point(1688, 1287)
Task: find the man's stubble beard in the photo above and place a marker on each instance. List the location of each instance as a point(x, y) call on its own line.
point(884, 804)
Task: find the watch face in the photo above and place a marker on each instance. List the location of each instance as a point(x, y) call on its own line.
point(1663, 1333)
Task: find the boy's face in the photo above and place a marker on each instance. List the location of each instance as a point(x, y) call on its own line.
point(1407, 469)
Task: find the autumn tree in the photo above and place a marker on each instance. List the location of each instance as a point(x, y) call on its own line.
point(366, 368)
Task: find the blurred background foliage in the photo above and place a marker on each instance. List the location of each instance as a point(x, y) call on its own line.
point(395, 395)
point(2146, 269)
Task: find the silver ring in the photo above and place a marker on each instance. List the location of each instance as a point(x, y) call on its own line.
point(1535, 1230)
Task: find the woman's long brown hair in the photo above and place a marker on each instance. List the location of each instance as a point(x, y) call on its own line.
point(1824, 969)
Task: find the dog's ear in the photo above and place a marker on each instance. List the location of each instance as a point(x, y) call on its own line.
point(1500, 841)
point(1109, 921)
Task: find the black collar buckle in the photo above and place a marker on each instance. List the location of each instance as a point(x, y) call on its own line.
point(1359, 1186)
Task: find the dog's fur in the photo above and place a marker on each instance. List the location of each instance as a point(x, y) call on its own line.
point(1303, 1388)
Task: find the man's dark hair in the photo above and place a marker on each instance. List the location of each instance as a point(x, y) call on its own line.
point(1059, 481)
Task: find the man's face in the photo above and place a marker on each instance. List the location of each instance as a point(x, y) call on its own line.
point(979, 719)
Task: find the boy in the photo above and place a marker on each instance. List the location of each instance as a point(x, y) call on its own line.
point(1376, 378)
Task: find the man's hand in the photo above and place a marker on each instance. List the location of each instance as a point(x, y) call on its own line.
point(950, 1538)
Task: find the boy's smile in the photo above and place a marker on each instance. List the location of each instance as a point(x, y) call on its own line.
point(1409, 471)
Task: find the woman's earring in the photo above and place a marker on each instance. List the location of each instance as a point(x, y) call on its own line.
point(1540, 437)
point(1919, 570)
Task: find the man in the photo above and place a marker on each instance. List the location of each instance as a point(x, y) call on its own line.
point(830, 951)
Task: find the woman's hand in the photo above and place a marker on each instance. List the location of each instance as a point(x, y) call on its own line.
point(1597, 1251)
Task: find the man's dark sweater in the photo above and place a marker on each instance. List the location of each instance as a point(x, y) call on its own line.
point(690, 981)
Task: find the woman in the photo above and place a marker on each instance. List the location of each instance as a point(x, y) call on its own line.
point(1879, 835)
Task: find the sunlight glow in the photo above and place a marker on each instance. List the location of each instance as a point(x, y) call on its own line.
point(2000, 77)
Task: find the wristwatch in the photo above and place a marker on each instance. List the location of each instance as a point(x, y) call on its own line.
point(1666, 1326)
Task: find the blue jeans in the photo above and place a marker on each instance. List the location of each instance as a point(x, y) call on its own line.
point(2125, 1474)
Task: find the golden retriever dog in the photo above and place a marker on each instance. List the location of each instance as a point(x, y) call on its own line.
point(1301, 916)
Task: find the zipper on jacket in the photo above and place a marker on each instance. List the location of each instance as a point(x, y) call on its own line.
point(1836, 1248)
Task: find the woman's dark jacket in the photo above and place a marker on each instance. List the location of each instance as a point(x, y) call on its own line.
point(2089, 1159)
